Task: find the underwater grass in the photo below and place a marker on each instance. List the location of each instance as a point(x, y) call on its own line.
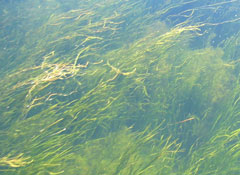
point(100, 90)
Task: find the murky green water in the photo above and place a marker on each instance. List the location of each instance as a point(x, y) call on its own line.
point(119, 87)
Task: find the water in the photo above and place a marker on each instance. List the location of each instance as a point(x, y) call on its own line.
point(119, 87)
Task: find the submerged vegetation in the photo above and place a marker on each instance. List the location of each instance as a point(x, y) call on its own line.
point(119, 87)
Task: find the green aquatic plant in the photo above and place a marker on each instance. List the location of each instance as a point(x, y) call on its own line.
point(91, 89)
point(14, 162)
